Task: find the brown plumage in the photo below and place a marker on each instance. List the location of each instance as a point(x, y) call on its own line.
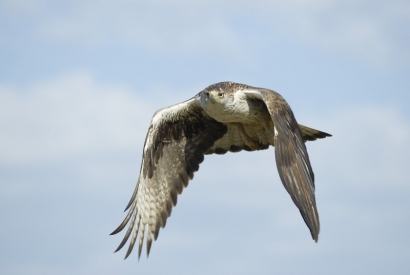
point(224, 117)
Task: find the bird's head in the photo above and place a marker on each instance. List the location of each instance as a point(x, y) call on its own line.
point(216, 98)
point(217, 93)
point(224, 101)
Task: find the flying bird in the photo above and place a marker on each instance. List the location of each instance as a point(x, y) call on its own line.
point(223, 117)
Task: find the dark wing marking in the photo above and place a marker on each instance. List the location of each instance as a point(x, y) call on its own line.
point(174, 147)
point(292, 159)
point(252, 137)
point(241, 137)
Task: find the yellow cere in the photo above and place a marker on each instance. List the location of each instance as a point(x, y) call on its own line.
point(214, 96)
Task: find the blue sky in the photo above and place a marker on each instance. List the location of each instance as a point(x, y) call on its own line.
point(79, 82)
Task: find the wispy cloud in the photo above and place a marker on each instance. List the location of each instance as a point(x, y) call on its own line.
point(68, 116)
point(373, 31)
point(370, 30)
point(373, 138)
point(235, 205)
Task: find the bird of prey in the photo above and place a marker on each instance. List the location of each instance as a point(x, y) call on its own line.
point(223, 117)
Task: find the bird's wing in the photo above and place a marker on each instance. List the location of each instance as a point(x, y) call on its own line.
point(252, 137)
point(174, 147)
point(292, 159)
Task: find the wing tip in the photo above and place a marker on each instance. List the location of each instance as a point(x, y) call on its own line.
point(314, 230)
point(119, 229)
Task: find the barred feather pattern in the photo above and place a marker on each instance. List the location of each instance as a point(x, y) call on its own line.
point(174, 148)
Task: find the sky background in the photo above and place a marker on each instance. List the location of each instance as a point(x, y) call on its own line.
point(80, 81)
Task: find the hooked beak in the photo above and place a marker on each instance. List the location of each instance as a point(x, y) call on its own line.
point(212, 96)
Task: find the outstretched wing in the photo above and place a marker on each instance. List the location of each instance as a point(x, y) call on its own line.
point(292, 159)
point(174, 147)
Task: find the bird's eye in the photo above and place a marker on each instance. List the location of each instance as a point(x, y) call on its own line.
point(220, 94)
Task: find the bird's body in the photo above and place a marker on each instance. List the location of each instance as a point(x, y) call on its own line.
point(224, 117)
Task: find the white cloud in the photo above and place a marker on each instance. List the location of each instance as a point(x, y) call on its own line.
point(20, 9)
point(366, 29)
point(240, 216)
point(374, 31)
point(158, 26)
point(68, 116)
point(373, 142)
